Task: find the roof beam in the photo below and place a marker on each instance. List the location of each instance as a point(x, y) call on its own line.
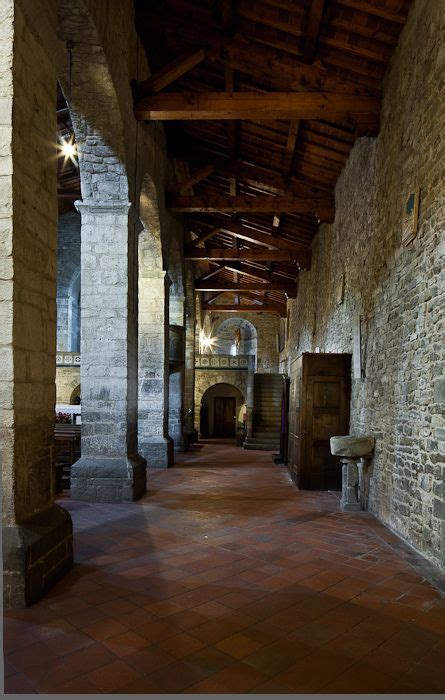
point(322, 208)
point(226, 286)
point(285, 255)
point(313, 30)
point(171, 72)
point(205, 236)
point(246, 308)
point(201, 174)
point(253, 105)
point(260, 238)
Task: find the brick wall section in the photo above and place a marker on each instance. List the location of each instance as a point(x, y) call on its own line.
point(398, 291)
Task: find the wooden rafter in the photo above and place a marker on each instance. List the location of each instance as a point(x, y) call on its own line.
point(171, 72)
point(313, 30)
point(320, 207)
point(205, 236)
point(228, 286)
point(252, 105)
point(301, 258)
point(269, 308)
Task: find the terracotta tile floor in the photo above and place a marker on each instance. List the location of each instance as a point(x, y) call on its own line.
point(226, 579)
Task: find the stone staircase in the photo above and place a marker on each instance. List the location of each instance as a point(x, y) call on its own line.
point(267, 413)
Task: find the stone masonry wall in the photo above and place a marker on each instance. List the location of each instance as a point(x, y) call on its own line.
point(397, 291)
point(68, 282)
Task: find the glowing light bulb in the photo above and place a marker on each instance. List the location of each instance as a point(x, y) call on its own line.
point(68, 149)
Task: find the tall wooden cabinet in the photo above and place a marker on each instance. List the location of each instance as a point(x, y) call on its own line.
point(320, 390)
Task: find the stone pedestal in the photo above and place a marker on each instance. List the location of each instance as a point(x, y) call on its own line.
point(353, 482)
point(36, 553)
point(110, 469)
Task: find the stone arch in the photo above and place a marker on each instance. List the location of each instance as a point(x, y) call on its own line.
point(226, 389)
point(74, 394)
point(205, 379)
point(224, 331)
point(94, 107)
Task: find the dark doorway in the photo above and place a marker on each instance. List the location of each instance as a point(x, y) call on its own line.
point(225, 417)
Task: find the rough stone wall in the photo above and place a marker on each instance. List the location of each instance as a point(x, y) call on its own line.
point(68, 282)
point(397, 291)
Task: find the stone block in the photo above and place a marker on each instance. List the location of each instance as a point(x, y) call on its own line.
point(108, 479)
point(36, 554)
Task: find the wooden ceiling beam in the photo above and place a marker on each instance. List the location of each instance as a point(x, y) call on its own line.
point(247, 254)
point(322, 208)
point(171, 72)
point(226, 286)
point(205, 236)
point(260, 177)
point(258, 237)
point(246, 308)
point(313, 30)
point(252, 105)
point(197, 177)
point(371, 8)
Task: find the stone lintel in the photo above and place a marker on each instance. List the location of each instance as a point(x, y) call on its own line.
point(109, 479)
point(36, 554)
point(89, 206)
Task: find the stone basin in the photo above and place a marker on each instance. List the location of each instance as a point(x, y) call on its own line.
point(352, 445)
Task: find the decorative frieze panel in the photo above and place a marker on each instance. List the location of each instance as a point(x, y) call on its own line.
point(68, 359)
point(222, 362)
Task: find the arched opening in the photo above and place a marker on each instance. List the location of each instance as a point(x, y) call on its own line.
point(221, 414)
point(235, 336)
point(75, 398)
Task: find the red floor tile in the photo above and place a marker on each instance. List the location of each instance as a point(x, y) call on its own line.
point(210, 585)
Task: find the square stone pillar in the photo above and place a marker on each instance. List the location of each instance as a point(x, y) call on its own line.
point(110, 468)
point(189, 354)
point(176, 367)
point(154, 442)
point(36, 533)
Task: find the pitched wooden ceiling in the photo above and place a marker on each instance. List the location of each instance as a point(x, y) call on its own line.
point(262, 101)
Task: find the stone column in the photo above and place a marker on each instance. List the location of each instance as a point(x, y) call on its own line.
point(250, 396)
point(189, 358)
point(176, 379)
point(154, 442)
point(110, 469)
point(36, 533)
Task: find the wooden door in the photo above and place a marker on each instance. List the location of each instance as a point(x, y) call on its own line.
point(325, 412)
point(224, 424)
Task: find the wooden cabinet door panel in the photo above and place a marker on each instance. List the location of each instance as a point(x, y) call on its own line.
point(327, 414)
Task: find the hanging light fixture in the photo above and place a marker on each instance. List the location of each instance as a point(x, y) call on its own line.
point(67, 144)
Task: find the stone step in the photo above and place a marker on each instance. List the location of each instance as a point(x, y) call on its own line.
point(269, 447)
point(266, 435)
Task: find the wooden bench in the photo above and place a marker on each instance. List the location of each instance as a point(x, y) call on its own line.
point(67, 451)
